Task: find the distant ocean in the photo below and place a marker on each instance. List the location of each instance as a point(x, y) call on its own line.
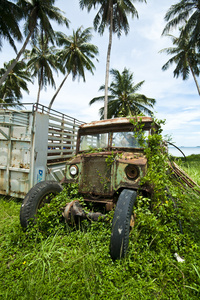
point(186, 150)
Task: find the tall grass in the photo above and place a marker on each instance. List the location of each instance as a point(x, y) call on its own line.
point(74, 263)
point(191, 165)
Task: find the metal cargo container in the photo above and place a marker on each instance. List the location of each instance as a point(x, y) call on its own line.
point(34, 145)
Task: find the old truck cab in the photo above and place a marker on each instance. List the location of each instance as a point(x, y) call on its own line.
point(108, 166)
point(109, 157)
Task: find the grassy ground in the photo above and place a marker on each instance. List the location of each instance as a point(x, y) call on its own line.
point(192, 166)
point(57, 261)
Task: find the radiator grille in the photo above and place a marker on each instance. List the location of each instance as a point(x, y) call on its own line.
point(95, 176)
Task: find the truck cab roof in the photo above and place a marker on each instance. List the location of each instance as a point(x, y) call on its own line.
point(116, 124)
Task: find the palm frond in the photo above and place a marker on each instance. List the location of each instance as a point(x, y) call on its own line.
point(123, 99)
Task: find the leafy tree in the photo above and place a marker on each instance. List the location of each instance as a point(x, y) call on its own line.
point(37, 15)
point(185, 57)
point(185, 10)
point(76, 55)
point(10, 15)
point(16, 81)
point(112, 14)
point(123, 100)
point(41, 62)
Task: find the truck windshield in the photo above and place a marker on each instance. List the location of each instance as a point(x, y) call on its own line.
point(111, 140)
point(90, 141)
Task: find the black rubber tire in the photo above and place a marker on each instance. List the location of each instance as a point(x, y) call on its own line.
point(38, 195)
point(121, 224)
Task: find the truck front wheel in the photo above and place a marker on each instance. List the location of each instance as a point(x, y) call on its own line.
point(121, 224)
point(38, 196)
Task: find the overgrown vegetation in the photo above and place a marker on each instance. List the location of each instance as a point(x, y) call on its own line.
point(54, 260)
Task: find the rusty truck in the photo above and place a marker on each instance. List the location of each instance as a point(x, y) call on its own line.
point(108, 165)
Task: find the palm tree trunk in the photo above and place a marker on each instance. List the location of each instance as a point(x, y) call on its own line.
point(4, 97)
point(10, 68)
point(40, 87)
point(196, 82)
point(108, 61)
point(58, 90)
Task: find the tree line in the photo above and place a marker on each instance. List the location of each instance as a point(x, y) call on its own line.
point(53, 51)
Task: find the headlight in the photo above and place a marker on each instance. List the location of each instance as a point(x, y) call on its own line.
point(73, 170)
point(132, 172)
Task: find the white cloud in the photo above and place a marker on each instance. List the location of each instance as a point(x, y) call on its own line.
point(180, 119)
point(177, 100)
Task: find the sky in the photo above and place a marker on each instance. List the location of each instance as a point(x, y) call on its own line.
point(177, 101)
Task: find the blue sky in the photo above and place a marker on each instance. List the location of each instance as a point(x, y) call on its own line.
point(177, 100)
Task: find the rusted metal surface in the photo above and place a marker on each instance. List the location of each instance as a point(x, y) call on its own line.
point(96, 176)
point(116, 123)
point(74, 210)
point(15, 148)
point(103, 172)
point(133, 157)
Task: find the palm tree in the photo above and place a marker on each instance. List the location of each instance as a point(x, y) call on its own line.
point(112, 14)
point(41, 61)
point(76, 55)
point(16, 81)
point(185, 56)
point(185, 10)
point(123, 100)
point(10, 15)
point(37, 14)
